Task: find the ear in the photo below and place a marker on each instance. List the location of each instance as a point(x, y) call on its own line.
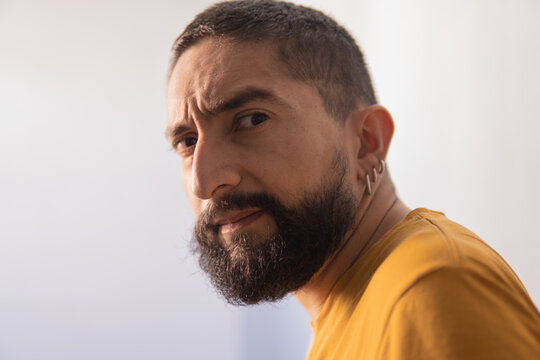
point(372, 128)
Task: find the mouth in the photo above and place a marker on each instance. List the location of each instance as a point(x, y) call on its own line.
point(235, 221)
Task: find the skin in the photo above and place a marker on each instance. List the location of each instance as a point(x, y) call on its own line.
point(274, 136)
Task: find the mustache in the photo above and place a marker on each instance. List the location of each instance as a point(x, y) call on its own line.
point(236, 201)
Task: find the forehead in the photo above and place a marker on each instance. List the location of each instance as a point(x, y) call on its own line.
point(213, 69)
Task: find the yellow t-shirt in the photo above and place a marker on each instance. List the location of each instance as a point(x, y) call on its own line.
point(429, 289)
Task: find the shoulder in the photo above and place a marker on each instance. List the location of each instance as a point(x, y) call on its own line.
point(448, 292)
point(430, 242)
point(454, 312)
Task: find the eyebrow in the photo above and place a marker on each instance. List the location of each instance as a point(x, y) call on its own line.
point(243, 97)
point(237, 100)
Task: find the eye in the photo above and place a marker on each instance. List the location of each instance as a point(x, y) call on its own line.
point(185, 143)
point(251, 120)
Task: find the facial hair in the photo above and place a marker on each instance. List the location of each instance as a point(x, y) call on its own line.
point(255, 268)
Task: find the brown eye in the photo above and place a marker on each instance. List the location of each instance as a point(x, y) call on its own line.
point(186, 142)
point(251, 120)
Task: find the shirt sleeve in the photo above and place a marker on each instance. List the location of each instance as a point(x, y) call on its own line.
point(455, 313)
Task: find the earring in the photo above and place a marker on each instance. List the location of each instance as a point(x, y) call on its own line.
point(382, 168)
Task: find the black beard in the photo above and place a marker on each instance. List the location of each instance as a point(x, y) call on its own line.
point(256, 268)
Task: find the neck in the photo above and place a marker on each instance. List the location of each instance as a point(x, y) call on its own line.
point(378, 214)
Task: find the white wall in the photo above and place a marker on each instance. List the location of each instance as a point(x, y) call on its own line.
point(93, 223)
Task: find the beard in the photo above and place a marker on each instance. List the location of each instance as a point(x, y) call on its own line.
point(253, 267)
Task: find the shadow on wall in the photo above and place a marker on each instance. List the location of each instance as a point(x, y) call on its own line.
point(275, 331)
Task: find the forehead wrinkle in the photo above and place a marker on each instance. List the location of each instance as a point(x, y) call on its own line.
point(198, 109)
point(182, 117)
point(189, 112)
point(203, 104)
point(204, 88)
point(210, 77)
point(223, 88)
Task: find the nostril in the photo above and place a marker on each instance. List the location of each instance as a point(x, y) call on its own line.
point(219, 187)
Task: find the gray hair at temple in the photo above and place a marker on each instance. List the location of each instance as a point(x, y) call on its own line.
point(313, 47)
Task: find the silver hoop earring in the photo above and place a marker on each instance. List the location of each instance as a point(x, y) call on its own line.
point(382, 166)
point(368, 184)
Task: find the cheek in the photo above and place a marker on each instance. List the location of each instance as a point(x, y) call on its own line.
point(290, 168)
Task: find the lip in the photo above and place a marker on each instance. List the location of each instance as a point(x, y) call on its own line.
point(236, 220)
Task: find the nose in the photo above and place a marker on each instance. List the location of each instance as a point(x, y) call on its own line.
point(214, 168)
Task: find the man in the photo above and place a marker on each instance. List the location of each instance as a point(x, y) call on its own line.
point(282, 145)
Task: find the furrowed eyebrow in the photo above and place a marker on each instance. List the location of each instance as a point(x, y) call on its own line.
point(238, 100)
point(243, 97)
point(173, 132)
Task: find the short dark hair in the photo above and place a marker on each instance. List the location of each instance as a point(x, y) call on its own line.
point(314, 48)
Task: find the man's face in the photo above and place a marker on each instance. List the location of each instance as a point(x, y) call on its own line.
point(263, 165)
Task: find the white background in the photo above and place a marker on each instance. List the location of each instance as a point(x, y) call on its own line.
point(94, 262)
